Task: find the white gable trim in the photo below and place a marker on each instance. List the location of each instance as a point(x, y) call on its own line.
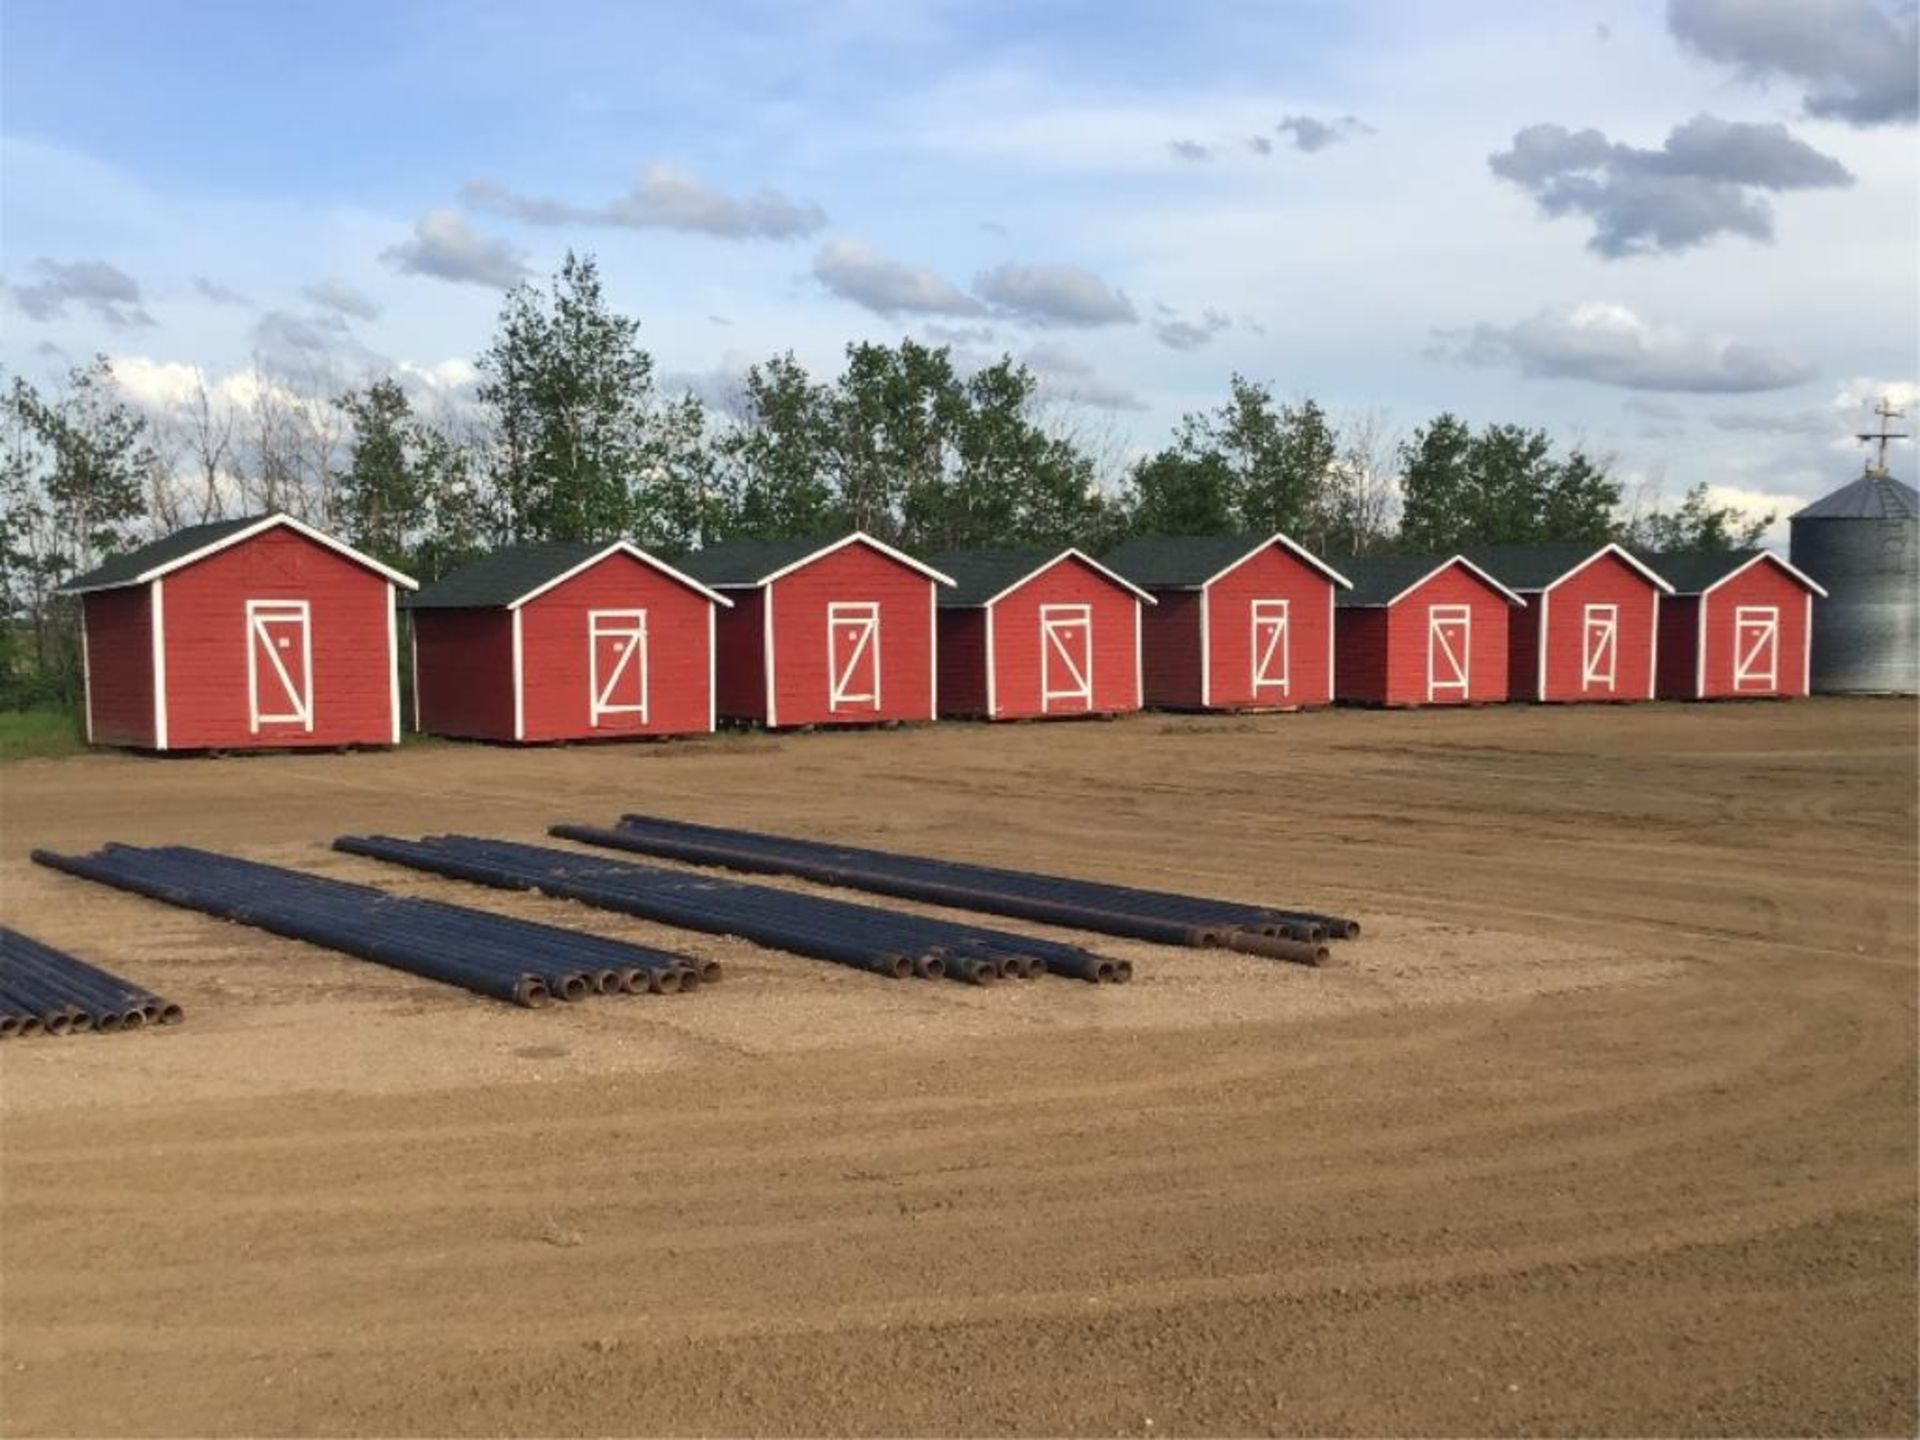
point(1512, 599)
point(858, 537)
point(1767, 555)
point(623, 547)
point(259, 527)
point(1070, 553)
point(1619, 552)
point(1294, 547)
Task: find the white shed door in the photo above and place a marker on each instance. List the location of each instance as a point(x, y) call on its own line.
point(1066, 657)
point(617, 669)
point(1599, 647)
point(1756, 647)
point(853, 655)
point(279, 664)
point(1449, 651)
point(1272, 646)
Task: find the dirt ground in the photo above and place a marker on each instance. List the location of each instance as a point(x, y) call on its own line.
point(1608, 1125)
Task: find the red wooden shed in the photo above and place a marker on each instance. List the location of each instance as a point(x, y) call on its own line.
point(1241, 623)
point(1590, 631)
point(1026, 634)
point(823, 632)
point(564, 641)
point(1421, 630)
point(1738, 624)
point(253, 633)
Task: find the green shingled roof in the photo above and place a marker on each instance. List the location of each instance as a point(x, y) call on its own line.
point(750, 562)
point(1692, 571)
point(1187, 562)
point(979, 575)
point(504, 576)
point(1377, 579)
point(1535, 567)
point(128, 568)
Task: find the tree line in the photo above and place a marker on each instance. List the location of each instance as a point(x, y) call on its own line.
point(571, 436)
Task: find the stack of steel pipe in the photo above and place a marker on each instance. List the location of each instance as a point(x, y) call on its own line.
point(864, 936)
point(496, 955)
point(1161, 916)
point(44, 991)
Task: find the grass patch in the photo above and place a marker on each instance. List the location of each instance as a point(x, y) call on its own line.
point(40, 734)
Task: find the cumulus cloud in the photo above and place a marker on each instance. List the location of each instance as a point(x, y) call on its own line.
point(1260, 145)
point(854, 271)
point(1189, 150)
point(1853, 59)
point(663, 198)
point(216, 292)
point(1312, 135)
point(1177, 332)
point(1069, 378)
point(445, 247)
point(1054, 295)
point(958, 334)
point(1610, 345)
point(342, 299)
point(722, 389)
point(1707, 179)
point(106, 291)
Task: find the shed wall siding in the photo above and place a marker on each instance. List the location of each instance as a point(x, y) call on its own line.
point(120, 665)
point(852, 574)
point(1759, 585)
point(1170, 646)
point(1270, 574)
point(963, 662)
point(556, 664)
point(1408, 622)
point(1360, 655)
point(1606, 581)
point(464, 663)
point(1017, 654)
point(1679, 646)
point(207, 645)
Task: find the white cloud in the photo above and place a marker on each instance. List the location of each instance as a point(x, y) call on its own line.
point(1054, 295)
point(1608, 344)
point(446, 247)
point(106, 290)
point(342, 299)
point(854, 271)
point(663, 198)
point(1854, 58)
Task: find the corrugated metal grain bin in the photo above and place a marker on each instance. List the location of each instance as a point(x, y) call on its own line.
point(1862, 543)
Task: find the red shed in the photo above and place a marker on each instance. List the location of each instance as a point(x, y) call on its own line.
point(1240, 623)
point(241, 634)
point(1422, 630)
point(1737, 624)
point(564, 641)
point(823, 632)
point(1591, 627)
point(1026, 634)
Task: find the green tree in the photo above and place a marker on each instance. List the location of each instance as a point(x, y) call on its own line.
point(381, 499)
point(76, 469)
point(1503, 485)
point(570, 393)
point(776, 464)
point(1015, 484)
point(1175, 494)
point(1698, 524)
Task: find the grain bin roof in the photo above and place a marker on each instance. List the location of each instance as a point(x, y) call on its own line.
point(195, 542)
point(510, 577)
point(1871, 497)
point(982, 576)
point(1188, 562)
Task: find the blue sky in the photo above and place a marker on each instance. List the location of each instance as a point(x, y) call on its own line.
point(1704, 269)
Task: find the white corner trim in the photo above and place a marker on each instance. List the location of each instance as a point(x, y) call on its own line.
point(393, 658)
point(519, 682)
point(993, 664)
point(1806, 648)
point(159, 629)
point(1653, 652)
point(1139, 658)
point(1206, 648)
point(1700, 649)
point(1542, 633)
point(933, 650)
point(766, 641)
point(713, 670)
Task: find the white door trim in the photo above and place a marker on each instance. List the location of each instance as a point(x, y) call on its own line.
point(1439, 619)
point(629, 627)
point(1599, 646)
point(1274, 618)
point(1762, 623)
point(1058, 624)
point(295, 614)
point(861, 619)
